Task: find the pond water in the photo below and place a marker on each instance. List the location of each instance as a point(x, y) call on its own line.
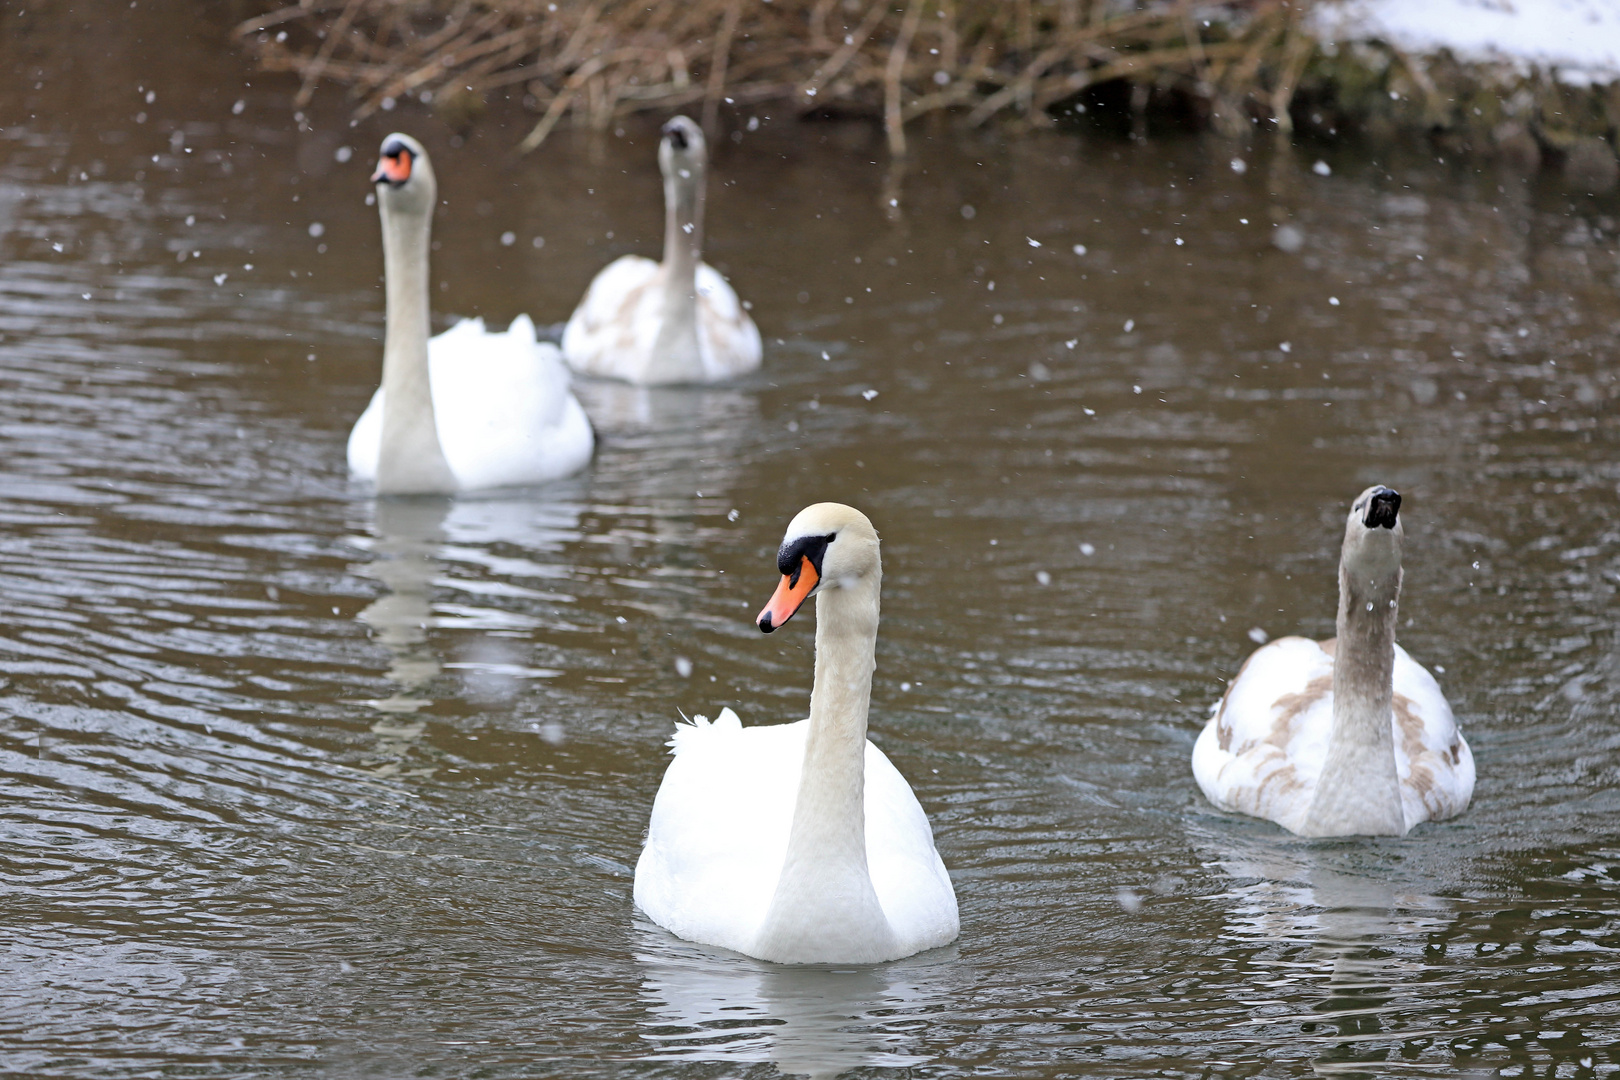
point(294, 782)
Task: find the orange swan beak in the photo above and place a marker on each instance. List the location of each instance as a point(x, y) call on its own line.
point(791, 592)
point(396, 170)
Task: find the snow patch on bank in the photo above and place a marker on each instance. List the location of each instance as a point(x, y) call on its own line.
point(1577, 41)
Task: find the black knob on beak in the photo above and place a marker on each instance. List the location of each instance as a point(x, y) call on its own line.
point(1382, 508)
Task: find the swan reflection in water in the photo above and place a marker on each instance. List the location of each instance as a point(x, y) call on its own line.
point(419, 546)
point(707, 1004)
point(1356, 927)
point(663, 441)
point(672, 456)
point(408, 533)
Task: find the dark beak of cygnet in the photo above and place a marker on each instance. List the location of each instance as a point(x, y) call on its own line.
point(677, 137)
point(1382, 508)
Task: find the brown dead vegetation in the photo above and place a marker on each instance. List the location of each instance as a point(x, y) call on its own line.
point(593, 62)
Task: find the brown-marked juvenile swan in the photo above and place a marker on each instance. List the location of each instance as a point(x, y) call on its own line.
point(671, 322)
point(1346, 737)
point(801, 843)
point(468, 409)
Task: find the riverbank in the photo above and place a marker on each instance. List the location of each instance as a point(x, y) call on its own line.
point(1531, 84)
point(1533, 87)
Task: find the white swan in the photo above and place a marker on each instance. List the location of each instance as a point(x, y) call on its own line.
point(468, 409)
point(801, 843)
point(671, 322)
point(1346, 737)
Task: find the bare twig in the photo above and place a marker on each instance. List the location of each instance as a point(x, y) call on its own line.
point(1297, 47)
point(534, 138)
point(892, 120)
point(839, 59)
point(312, 74)
point(717, 68)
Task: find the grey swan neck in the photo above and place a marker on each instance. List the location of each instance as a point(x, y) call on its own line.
point(410, 460)
point(1359, 791)
point(824, 897)
point(676, 356)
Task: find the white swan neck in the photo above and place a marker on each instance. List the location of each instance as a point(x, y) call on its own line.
point(825, 891)
point(676, 356)
point(410, 460)
point(683, 206)
point(1359, 792)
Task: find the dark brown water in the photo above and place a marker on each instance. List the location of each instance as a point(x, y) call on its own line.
point(293, 783)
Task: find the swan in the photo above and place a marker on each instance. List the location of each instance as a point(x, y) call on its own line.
point(801, 843)
point(1345, 737)
point(467, 409)
point(671, 322)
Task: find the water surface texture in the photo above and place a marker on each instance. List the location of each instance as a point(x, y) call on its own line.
point(297, 783)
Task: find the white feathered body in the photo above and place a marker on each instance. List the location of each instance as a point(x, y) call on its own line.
point(611, 333)
point(1263, 750)
point(502, 405)
point(719, 835)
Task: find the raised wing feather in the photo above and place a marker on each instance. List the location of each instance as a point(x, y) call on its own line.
point(505, 413)
point(613, 330)
point(719, 832)
point(908, 875)
point(1431, 756)
point(616, 323)
point(727, 337)
point(1263, 750)
point(719, 829)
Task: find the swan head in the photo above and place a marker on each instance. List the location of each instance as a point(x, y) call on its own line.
point(827, 546)
point(404, 176)
point(682, 153)
point(1371, 559)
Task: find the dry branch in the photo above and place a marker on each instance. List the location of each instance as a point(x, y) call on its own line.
point(599, 60)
